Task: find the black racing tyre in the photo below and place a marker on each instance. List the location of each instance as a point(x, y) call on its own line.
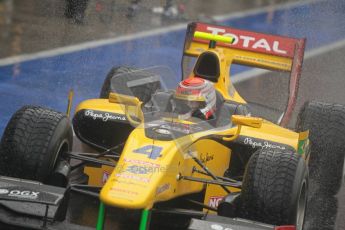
point(322, 213)
point(143, 92)
point(33, 142)
point(275, 186)
point(105, 90)
point(326, 125)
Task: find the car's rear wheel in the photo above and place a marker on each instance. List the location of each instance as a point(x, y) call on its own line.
point(33, 143)
point(326, 125)
point(275, 188)
point(141, 91)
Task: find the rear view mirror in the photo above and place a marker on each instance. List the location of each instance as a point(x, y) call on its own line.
point(239, 120)
point(254, 122)
point(124, 99)
point(128, 101)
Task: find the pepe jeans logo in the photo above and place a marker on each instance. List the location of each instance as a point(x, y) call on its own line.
point(263, 145)
point(103, 116)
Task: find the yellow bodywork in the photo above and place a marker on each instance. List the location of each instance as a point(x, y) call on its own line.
point(161, 179)
point(153, 180)
point(150, 171)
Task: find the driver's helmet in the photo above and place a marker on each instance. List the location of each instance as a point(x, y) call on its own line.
point(196, 97)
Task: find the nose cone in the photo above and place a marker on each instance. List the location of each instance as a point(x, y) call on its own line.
point(145, 173)
point(131, 185)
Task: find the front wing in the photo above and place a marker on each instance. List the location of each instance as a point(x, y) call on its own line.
point(30, 204)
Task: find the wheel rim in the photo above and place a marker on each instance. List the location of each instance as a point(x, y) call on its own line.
point(62, 148)
point(301, 206)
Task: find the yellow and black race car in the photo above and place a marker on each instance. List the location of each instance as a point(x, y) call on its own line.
point(139, 153)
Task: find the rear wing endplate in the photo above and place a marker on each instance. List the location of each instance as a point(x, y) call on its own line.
point(254, 49)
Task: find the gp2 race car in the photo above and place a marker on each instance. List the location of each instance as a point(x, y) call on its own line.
point(234, 171)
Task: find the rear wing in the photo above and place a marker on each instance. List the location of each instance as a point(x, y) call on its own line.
point(254, 49)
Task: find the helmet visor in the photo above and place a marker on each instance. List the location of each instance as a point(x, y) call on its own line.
point(184, 106)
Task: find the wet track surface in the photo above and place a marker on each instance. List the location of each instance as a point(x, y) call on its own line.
point(322, 79)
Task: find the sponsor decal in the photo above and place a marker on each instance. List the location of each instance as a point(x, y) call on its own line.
point(26, 194)
point(121, 190)
point(259, 42)
point(104, 116)
point(133, 177)
point(214, 201)
point(219, 227)
point(303, 143)
point(253, 42)
point(152, 151)
point(206, 157)
point(141, 162)
point(162, 188)
point(263, 61)
point(144, 167)
point(131, 183)
point(4, 191)
point(136, 169)
point(105, 177)
point(262, 144)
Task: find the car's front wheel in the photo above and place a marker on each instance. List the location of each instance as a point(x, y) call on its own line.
point(275, 188)
point(33, 143)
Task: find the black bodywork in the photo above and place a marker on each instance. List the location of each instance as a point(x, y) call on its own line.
point(31, 204)
point(103, 130)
